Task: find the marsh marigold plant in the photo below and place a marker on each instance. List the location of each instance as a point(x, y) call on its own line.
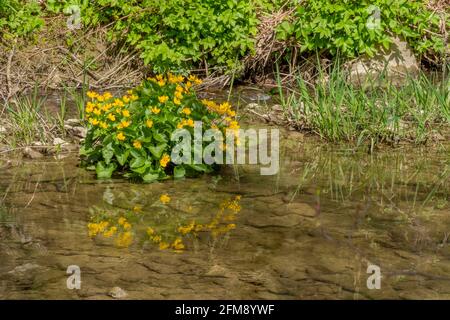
point(130, 135)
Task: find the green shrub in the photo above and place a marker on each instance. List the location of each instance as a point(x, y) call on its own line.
point(132, 134)
point(19, 17)
point(351, 27)
point(176, 34)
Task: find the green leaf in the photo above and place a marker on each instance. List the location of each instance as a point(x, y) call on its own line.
point(104, 171)
point(150, 177)
point(122, 157)
point(107, 153)
point(137, 162)
point(158, 150)
point(179, 172)
point(160, 137)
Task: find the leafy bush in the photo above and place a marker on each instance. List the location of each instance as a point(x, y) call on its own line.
point(174, 34)
point(352, 27)
point(19, 17)
point(132, 134)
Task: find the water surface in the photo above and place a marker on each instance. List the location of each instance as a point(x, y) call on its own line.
point(309, 232)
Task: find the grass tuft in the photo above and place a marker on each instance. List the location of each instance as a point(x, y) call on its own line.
point(337, 110)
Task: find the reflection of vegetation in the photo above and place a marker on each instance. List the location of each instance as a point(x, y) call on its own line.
point(396, 180)
point(162, 229)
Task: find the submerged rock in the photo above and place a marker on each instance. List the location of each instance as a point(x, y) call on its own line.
point(72, 122)
point(75, 128)
point(24, 268)
point(59, 142)
point(32, 154)
point(395, 64)
point(39, 146)
point(79, 132)
point(117, 293)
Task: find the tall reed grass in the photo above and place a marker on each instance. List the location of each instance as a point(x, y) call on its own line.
point(338, 110)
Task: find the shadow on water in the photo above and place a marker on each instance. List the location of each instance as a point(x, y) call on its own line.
point(308, 232)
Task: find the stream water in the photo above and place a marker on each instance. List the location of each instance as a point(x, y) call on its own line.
point(309, 232)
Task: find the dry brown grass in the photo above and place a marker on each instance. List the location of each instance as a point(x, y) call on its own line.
point(49, 62)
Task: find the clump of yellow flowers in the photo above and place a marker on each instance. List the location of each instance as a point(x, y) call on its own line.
point(120, 229)
point(125, 227)
point(130, 133)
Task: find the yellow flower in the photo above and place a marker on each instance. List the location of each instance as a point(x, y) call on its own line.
point(234, 125)
point(137, 144)
point(111, 117)
point(164, 160)
point(163, 245)
point(97, 112)
point(118, 103)
point(124, 239)
point(120, 136)
point(137, 208)
point(93, 229)
point(134, 97)
point(123, 124)
point(92, 94)
point(164, 198)
point(107, 95)
point(126, 99)
point(163, 99)
point(231, 113)
point(127, 226)
point(195, 79)
point(122, 220)
point(174, 79)
point(178, 244)
point(149, 123)
point(187, 229)
point(176, 101)
point(130, 92)
point(155, 110)
point(156, 239)
point(179, 89)
point(186, 111)
point(190, 123)
point(89, 107)
point(179, 94)
point(102, 226)
point(126, 113)
point(110, 232)
point(94, 122)
point(100, 98)
point(161, 83)
point(103, 125)
point(150, 231)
